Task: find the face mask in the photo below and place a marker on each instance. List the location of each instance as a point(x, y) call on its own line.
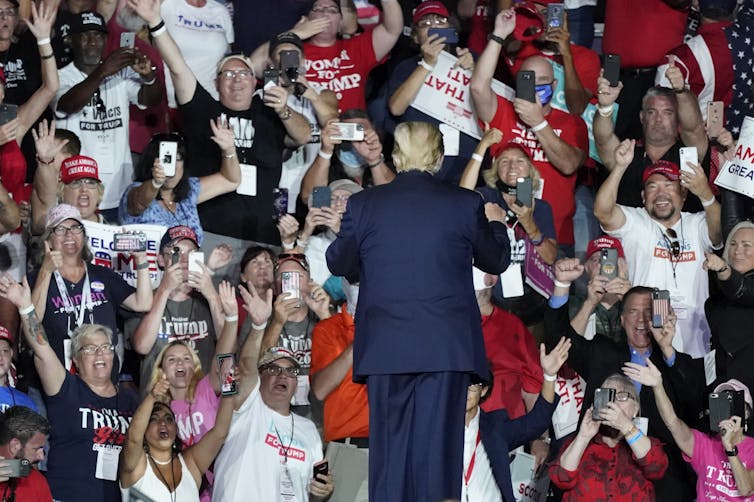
point(544, 92)
point(478, 276)
point(353, 163)
point(505, 187)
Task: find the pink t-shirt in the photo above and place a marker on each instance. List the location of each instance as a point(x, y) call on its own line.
point(195, 419)
point(715, 480)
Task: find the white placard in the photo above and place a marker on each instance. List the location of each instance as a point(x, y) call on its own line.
point(738, 174)
point(565, 420)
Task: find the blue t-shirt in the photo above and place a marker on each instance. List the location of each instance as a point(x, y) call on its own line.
point(12, 397)
point(185, 211)
point(83, 423)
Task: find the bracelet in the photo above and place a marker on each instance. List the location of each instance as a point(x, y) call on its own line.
point(157, 27)
point(495, 38)
point(150, 81)
point(43, 41)
point(630, 432)
point(258, 327)
point(562, 284)
point(142, 266)
point(539, 126)
point(26, 310)
point(288, 247)
point(47, 56)
point(45, 163)
point(550, 378)
point(477, 157)
point(722, 269)
point(709, 202)
point(426, 65)
point(229, 156)
point(231, 318)
point(286, 115)
point(324, 155)
point(605, 111)
point(378, 163)
point(634, 438)
point(159, 31)
point(156, 185)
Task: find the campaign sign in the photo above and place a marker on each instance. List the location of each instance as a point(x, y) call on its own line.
point(101, 243)
point(738, 174)
point(565, 420)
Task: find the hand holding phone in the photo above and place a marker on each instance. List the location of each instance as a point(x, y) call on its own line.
point(601, 398)
point(525, 85)
point(609, 263)
point(168, 151)
point(227, 365)
point(688, 154)
point(611, 69)
point(523, 192)
point(660, 307)
point(195, 261)
point(322, 468)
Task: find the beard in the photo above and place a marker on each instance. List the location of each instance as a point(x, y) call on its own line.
point(129, 20)
point(659, 217)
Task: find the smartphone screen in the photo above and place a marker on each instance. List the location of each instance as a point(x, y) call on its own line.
point(194, 260)
point(227, 365)
point(555, 15)
point(660, 307)
point(525, 85)
point(279, 203)
point(8, 112)
point(601, 398)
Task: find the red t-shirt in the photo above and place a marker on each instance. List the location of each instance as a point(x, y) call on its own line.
point(346, 407)
point(342, 68)
point(558, 187)
point(514, 357)
point(13, 174)
point(479, 27)
point(642, 32)
point(32, 487)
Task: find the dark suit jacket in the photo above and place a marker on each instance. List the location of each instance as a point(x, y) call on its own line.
point(500, 435)
point(412, 242)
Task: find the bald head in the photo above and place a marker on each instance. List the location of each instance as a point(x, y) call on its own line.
point(541, 67)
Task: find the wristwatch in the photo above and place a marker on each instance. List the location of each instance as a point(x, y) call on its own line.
point(733, 452)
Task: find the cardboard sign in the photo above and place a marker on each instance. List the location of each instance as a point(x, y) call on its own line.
point(738, 174)
point(565, 420)
point(539, 275)
point(100, 239)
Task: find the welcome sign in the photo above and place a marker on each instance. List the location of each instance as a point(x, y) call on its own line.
point(738, 174)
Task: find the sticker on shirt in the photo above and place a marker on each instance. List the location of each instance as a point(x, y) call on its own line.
point(97, 286)
point(301, 397)
point(451, 139)
point(512, 281)
point(248, 184)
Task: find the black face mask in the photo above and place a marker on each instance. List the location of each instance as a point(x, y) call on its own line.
point(505, 188)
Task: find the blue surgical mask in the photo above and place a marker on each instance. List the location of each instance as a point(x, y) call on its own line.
point(350, 158)
point(544, 91)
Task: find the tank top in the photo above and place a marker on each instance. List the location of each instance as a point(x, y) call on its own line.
point(151, 486)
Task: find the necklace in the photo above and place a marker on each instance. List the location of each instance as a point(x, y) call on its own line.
point(161, 462)
point(280, 440)
point(172, 492)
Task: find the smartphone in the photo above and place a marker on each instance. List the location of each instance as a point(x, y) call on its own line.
point(167, 153)
point(322, 469)
point(688, 154)
point(193, 258)
point(270, 77)
point(525, 85)
point(450, 34)
point(290, 284)
point(19, 467)
point(660, 307)
point(279, 203)
point(321, 197)
point(611, 69)
point(130, 241)
point(8, 112)
point(127, 39)
point(601, 398)
point(175, 256)
point(609, 263)
point(715, 118)
point(555, 15)
point(723, 405)
point(523, 192)
point(349, 131)
point(227, 365)
point(290, 62)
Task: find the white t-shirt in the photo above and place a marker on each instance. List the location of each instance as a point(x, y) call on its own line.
point(203, 34)
point(302, 157)
point(649, 264)
point(103, 133)
point(250, 465)
point(482, 486)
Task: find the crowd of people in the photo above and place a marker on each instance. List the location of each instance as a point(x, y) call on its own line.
point(391, 251)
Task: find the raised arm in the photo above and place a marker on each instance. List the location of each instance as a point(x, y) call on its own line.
point(318, 173)
point(604, 132)
point(371, 150)
point(404, 95)
point(571, 456)
point(10, 218)
point(470, 176)
point(731, 436)
point(697, 184)
point(386, 34)
point(141, 299)
point(201, 455)
point(482, 95)
point(296, 125)
point(145, 334)
point(693, 132)
point(45, 193)
point(53, 260)
point(259, 310)
point(551, 363)
point(606, 207)
point(229, 176)
point(228, 340)
point(576, 95)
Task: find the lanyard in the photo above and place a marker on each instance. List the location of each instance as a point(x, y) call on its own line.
point(86, 298)
point(470, 468)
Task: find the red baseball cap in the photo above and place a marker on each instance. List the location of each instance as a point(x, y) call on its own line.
point(499, 148)
point(427, 8)
point(5, 335)
point(604, 242)
point(176, 234)
point(78, 167)
point(529, 22)
point(665, 167)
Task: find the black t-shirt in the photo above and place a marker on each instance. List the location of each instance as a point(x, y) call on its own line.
point(260, 136)
point(62, 29)
point(22, 68)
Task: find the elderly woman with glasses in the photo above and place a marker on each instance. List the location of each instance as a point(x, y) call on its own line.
point(91, 415)
point(610, 457)
point(69, 291)
point(169, 197)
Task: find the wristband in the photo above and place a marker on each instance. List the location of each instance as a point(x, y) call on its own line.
point(630, 432)
point(159, 31)
point(562, 284)
point(537, 242)
point(26, 310)
point(45, 163)
point(302, 243)
point(47, 56)
point(231, 318)
point(324, 155)
point(495, 38)
point(287, 246)
point(156, 185)
point(709, 202)
point(634, 438)
point(605, 111)
point(157, 27)
point(550, 378)
point(539, 126)
point(142, 266)
point(477, 157)
point(258, 327)
point(43, 41)
point(426, 65)
point(149, 82)
point(229, 156)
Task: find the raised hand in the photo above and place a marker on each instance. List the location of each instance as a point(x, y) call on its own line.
point(552, 362)
point(148, 10)
point(607, 95)
point(624, 153)
point(42, 19)
point(647, 375)
point(161, 390)
point(18, 294)
point(45, 143)
point(227, 294)
point(222, 135)
point(318, 300)
point(505, 23)
point(259, 309)
point(568, 269)
point(674, 75)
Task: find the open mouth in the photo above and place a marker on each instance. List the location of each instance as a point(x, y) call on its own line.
point(99, 364)
point(83, 201)
point(281, 386)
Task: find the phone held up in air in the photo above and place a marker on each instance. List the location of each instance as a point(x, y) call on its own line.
point(321, 197)
point(525, 85)
point(601, 398)
point(660, 307)
point(555, 15)
point(611, 69)
point(609, 263)
point(523, 192)
point(227, 365)
point(168, 150)
point(715, 118)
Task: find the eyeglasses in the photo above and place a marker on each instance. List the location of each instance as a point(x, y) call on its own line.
point(432, 21)
point(86, 182)
point(339, 198)
point(275, 370)
point(74, 229)
point(10, 12)
point(106, 348)
point(297, 257)
point(623, 396)
point(675, 246)
point(232, 74)
point(325, 10)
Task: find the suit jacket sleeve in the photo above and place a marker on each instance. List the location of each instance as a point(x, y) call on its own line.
point(343, 258)
point(492, 249)
point(529, 427)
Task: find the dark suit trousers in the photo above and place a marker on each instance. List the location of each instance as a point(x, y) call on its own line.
point(416, 426)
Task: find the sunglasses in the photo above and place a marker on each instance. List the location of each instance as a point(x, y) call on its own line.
point(675, 246)
point(297, 257)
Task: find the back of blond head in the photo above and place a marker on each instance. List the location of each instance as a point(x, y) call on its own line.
point(418, 147)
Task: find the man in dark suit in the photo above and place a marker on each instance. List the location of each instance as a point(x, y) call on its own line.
point(418, 340)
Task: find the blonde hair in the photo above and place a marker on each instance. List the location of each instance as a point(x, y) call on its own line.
point(157, 372)
point(491, 175)
point(418, 147)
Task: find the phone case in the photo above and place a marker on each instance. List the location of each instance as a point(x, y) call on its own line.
point(523, 192)
point(688, 154)
point(227, 365)
point(715, 118)
point(167, 153)
point(193, 257)
point(450, 34)
point(601, 398)
point(660, 307)
point(525, 85)
point(609, 263)
point(290, 282)
point(321, 197)
point(279, 203)
point(611, 67)
point(555, 15)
